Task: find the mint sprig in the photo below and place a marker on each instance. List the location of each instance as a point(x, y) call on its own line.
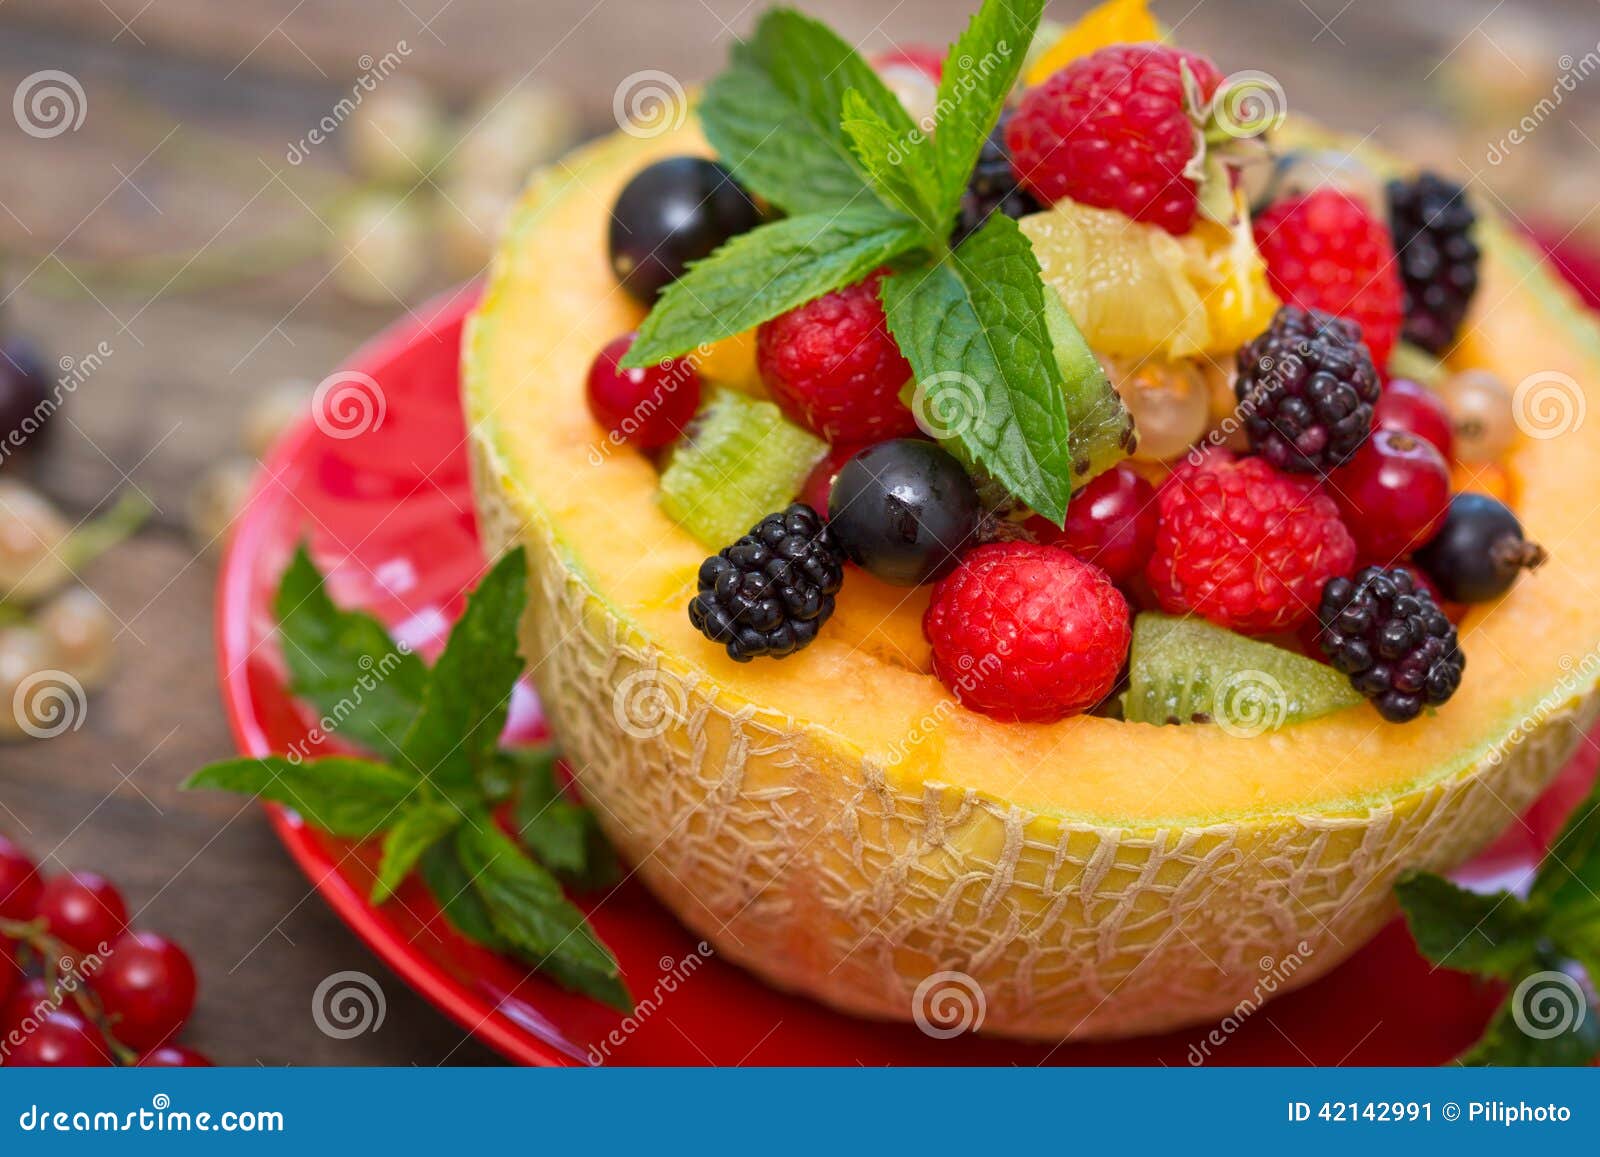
point(1531, 944)
point(433, 795)
point(803, 121)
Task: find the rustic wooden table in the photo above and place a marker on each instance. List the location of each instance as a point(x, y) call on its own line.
point(169, 228)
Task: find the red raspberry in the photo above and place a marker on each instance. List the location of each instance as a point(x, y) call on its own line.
point(1027, 632)
point(1327, 251)
point(1112, 130)
point(1246, 547)
point(834, 368)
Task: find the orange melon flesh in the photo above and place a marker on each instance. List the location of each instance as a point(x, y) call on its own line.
point(1317, 816)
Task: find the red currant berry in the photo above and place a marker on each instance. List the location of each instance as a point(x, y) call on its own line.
point(19, 883)
point(174, 1057)
point(83, 910)
point(1393, 495)
point(1412, 407)
point(63, 1040)
point(646, 408)
point(1111, 522)
point(820, 482)
point(147, 989)
point(31, 999)
point(10, 974)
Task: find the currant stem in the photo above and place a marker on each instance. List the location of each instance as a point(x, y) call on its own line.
point(52, 953)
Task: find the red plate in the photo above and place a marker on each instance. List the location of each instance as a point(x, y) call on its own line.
point(388, 514)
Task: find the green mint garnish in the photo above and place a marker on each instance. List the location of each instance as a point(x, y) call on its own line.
point(776, 116)
point(972, 325)
point(804, 121)
point(432, 795)
point(979, 73)
point(337, 658)
point(903, 177)
point(1532, 944)
point(760, 274)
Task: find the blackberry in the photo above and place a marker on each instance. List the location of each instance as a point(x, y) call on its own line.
point(1389, 636)
point(994, 186)
point(770, 591)
point(1306, 389)
point(1432, 224)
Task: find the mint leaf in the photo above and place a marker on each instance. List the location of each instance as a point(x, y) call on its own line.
point(1549, 1001)
point(900, 168)
point(979, 73)
point(1492, 934)
point(451, 885)
point(972, 326)
point(345, 662)
point(1569, 875)
point(457, 729)
point(560, 834)
point(526, 906)
point(760, 133)
point(348, 797)
point(418, 828)
point(767, 271)
point(774, 117)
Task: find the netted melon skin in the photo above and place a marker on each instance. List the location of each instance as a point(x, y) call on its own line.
point(824, 873)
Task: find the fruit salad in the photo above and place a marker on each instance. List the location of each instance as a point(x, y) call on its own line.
point(1146, 397)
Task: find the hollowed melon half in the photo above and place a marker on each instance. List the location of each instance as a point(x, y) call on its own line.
point(838, 824)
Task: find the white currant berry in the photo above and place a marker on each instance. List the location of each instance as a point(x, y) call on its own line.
point(1170, 403)
point(80, 631)
point(32, 536)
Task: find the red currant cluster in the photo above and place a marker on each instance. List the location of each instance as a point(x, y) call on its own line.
point(78, 987)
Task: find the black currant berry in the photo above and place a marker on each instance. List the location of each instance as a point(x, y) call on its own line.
point(24, 388)
point(674, 212)
point(1479, 551)
point(904, 510)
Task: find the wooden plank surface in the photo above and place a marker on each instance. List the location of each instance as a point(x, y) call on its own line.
point(170, 229)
